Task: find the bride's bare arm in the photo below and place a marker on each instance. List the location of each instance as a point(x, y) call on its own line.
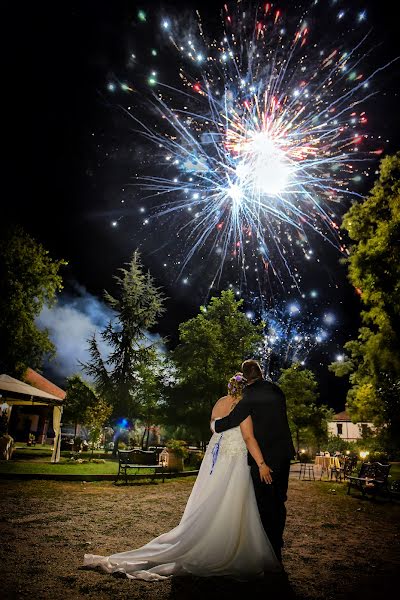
point(246, 427)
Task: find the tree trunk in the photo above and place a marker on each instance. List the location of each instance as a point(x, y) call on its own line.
point(298, 442)
point(116, 443)
point(143, 436)
point(147, 437)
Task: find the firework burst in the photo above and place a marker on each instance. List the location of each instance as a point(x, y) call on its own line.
point(262, 140)
point(292, 334)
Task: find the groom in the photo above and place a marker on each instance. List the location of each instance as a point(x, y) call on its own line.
point(266, 404)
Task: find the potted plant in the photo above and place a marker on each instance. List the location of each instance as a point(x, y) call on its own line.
point(177, 452)
point(31, 440)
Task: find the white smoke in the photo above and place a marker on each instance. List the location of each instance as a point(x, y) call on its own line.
point(71, 323)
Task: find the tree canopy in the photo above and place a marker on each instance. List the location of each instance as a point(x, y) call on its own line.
point(29, 280)
point(153, 384)
point(82, 405)
point(211, 348)
point(79, 397)
point(305, 416)
point(373, 359)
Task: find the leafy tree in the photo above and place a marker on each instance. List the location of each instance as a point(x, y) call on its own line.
point(300, 388)
point(29, 280)
point(82, 405)
point(317, 428)
point(79, 397)
point(153, 380)
point(373, 360)
point(211, 347)
point(95, 417)
point(138, 305)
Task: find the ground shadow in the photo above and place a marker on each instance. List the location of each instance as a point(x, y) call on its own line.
point(221, 588)
point(137, 483)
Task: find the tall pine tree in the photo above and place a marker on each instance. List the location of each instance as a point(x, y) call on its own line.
point(138, 305)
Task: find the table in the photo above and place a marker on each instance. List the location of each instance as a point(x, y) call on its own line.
point(327, 463)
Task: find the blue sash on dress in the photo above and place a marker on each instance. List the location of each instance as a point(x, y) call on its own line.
point(214, 453)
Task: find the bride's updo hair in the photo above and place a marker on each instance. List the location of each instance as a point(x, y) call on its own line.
point(236, 385)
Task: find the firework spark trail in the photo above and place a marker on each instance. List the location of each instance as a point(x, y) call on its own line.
point(267, 141)
point(292, 334)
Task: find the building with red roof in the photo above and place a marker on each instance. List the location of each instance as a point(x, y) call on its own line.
point(40, 382)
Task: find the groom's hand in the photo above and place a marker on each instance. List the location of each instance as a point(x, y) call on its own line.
point(265, 473)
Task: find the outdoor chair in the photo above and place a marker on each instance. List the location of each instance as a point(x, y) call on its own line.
point(336, 471)
point(306, 472)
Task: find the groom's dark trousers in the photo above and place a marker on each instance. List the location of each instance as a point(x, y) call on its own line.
point(271, 500)
point(266, 404)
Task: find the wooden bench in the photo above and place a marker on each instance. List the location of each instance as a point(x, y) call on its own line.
point(372, 478)
point(138, 460)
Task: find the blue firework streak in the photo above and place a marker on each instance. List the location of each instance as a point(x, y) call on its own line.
point(262, 141)
point(292, 334)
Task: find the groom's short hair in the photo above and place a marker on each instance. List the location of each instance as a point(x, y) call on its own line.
point(251, 369)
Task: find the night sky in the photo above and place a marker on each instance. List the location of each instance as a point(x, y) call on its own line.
point(74, 154)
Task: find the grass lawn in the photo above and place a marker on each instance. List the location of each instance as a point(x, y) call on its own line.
point(36, 460)
point(34, 452)
point(63, 467)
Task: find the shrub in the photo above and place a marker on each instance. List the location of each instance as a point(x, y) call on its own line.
point(337, 444)
point(195, 459)
point(376, 456)
point(305, 457)
point(179, 447)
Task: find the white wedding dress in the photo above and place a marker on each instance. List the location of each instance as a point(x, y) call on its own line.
point(220, 533)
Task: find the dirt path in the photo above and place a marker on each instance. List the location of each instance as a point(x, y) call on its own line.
point(336, 546)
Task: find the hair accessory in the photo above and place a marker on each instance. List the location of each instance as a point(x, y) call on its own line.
point(236, 384)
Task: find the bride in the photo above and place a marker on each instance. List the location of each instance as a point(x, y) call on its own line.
point(220, 533)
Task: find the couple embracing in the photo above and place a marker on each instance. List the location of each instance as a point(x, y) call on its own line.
point(234, 519)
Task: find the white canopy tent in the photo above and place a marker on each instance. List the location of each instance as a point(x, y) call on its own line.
point(16, 392)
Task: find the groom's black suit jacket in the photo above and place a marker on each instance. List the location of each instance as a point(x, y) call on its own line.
point(266, 403)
